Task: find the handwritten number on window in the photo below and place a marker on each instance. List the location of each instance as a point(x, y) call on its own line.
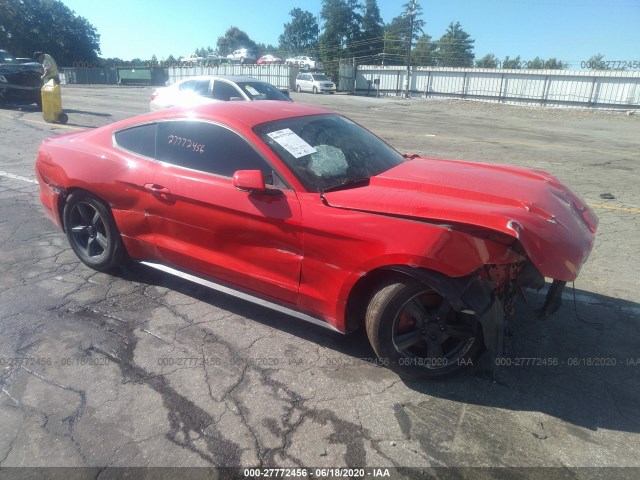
point(185, 143)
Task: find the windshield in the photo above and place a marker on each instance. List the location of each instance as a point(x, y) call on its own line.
point(325, 151)
point(321, 78)
point(262, 91)
point(6, 57)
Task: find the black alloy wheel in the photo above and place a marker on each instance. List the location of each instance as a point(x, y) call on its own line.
point(92, 232)
point(416, 332)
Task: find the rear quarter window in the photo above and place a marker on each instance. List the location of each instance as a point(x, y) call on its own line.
point(140, 139)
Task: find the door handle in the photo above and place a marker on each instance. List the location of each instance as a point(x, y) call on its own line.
point(157, 189)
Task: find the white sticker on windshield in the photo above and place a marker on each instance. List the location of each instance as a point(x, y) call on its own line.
point(292, 143)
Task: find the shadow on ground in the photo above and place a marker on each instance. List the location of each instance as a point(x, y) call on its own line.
point(35, 108)
point(580, 365)
point(86, 112)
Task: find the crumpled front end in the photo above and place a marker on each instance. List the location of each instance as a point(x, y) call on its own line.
point(554, 227)
point(557, 231)
point(20, 83)
point(531, 213)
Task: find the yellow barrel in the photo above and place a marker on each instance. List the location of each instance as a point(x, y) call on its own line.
point(52, 103)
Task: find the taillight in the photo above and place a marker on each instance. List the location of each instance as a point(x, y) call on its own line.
point(154, 95)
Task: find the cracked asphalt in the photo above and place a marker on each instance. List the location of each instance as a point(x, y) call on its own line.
point(141, 369)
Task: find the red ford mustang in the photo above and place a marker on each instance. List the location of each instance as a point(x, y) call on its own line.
point(302, 210)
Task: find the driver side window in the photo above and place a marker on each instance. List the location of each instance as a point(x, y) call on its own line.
point(207, 147)
point(224, 91)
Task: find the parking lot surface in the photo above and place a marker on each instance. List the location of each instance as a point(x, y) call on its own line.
point(141, 369)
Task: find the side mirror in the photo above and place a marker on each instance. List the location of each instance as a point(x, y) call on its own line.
point(249, 181)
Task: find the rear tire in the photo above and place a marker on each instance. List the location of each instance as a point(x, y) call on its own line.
point(92, 232)
point(315, 90)
point(417, 333)
point(298, 89)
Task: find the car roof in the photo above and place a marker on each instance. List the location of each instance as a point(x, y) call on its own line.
point(235, 114)
point(233, 78)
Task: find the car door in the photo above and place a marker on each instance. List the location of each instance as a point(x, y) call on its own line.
point(135, 148)
point(203, 224)
point(303, 81)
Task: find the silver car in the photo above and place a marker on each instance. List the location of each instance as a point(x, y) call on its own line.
point(314, 82)
point(242, 55)
point(198, 90)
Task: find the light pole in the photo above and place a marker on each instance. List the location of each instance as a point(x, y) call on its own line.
point(411, 13)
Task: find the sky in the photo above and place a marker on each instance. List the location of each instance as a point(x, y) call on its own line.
point(569, 30)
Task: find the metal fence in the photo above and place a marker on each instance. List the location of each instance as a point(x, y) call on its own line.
point(613, 89)
point(599, 89)
point(280, 76)
point(106, 76)
point(115, 75)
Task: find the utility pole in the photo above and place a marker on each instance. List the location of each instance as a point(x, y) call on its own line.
point(411, 14)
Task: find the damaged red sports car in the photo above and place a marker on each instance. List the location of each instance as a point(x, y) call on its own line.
point(300, 209)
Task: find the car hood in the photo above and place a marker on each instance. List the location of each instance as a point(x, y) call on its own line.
point(553, 225)
point(20, 67)
point(21, 74)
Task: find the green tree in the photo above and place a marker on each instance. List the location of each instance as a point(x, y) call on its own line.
point(425, 52)
point(395, 41)
point(488, 61)
point(50, 26)
point(233, 39)
point(263, 49)
point(597, 62)
point(413, 9)
point(555, 64)
point(300, 34)
point(509, 63)
point(541, 63)
point(455, 47)
point(203, 52)
point(372, 32)
point(341, 31)
point(536, 63)
point(109, 62)
point(396, 34)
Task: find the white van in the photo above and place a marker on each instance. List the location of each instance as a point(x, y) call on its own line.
point(314, 82)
